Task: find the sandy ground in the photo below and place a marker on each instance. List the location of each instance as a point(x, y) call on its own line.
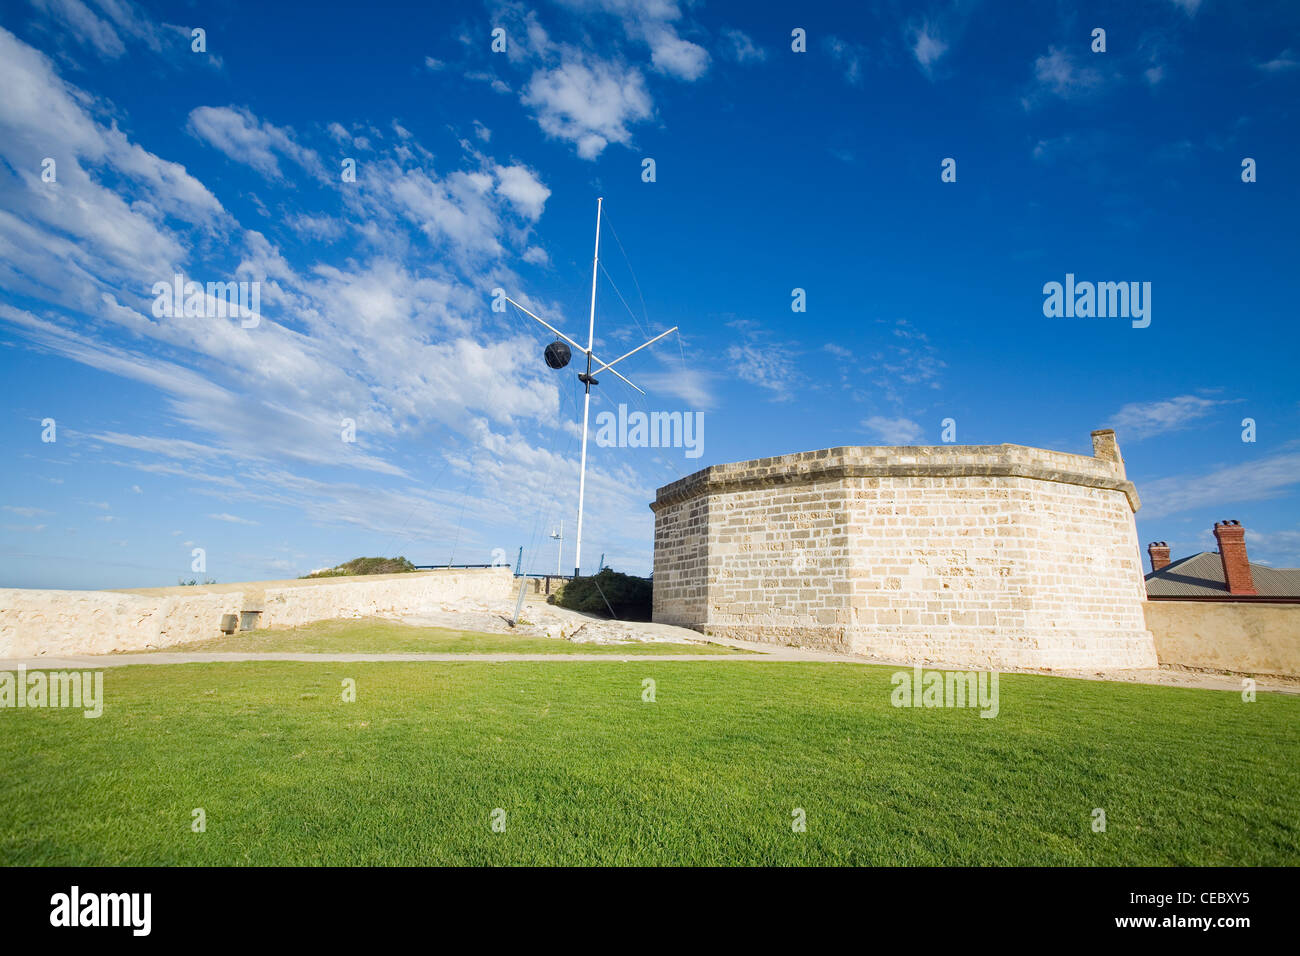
point(539, 619)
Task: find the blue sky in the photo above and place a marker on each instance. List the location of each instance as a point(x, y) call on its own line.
point(775, 170)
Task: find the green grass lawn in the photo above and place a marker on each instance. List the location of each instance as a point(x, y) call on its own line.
point(589, 773)
point(376, 636)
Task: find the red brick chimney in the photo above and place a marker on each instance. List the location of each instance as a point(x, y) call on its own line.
point(1232, 552)
point(1159, 553)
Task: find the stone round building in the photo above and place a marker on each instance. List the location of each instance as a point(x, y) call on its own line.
point(980, 556)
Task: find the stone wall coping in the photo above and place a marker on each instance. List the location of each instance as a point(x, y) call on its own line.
point(902, 461)
point(186, 590)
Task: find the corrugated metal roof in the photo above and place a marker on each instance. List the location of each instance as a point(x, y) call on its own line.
point(1201, 575)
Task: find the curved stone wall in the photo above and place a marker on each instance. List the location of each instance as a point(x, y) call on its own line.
point(977, 556)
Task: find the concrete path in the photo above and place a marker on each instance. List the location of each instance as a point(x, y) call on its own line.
point(753, 652)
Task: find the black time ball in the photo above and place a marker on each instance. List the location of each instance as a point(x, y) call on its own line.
point(558, 354)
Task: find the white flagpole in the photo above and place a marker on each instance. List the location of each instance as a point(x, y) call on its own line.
point(586, 401)
point(588, 379)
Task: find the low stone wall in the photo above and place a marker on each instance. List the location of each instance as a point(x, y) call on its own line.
point(38, 623)
point(1238, 636)
point(376, 595)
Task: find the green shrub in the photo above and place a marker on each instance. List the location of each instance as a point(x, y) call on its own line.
point(366, 566)
point(629, 596)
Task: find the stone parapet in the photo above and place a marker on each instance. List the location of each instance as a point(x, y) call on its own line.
point(907, 461)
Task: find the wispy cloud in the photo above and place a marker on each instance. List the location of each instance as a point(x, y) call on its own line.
point(765, 365)
point(1251, 481)
point(763, 362)
point(237, 133)
point(848, 57)
point(232, 519)
point(25, 511)
point(902, 361)
point(927, 47)
point(1058, 73)
point(1277, 548)
point(1143, 419)
point(740, 46)
point(1284, 62)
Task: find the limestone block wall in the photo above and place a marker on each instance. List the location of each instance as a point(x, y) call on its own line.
point(1244, 637)
point(292, 604)
point(35, 623)
point(976, 556)
point(40, 623)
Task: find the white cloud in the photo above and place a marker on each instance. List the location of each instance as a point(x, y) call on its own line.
point(654, 23)
point(674, 56)
point(70, 240)
point(520, 185)
point(893, 431)
point(589, 104)
point(460, 210)
point(395, 336)
point(237, 133)
point(693, 385)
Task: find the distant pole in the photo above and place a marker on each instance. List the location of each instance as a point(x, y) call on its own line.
point(586, 398)
point(559, 549)
point(519, 602)
point(520, 563)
